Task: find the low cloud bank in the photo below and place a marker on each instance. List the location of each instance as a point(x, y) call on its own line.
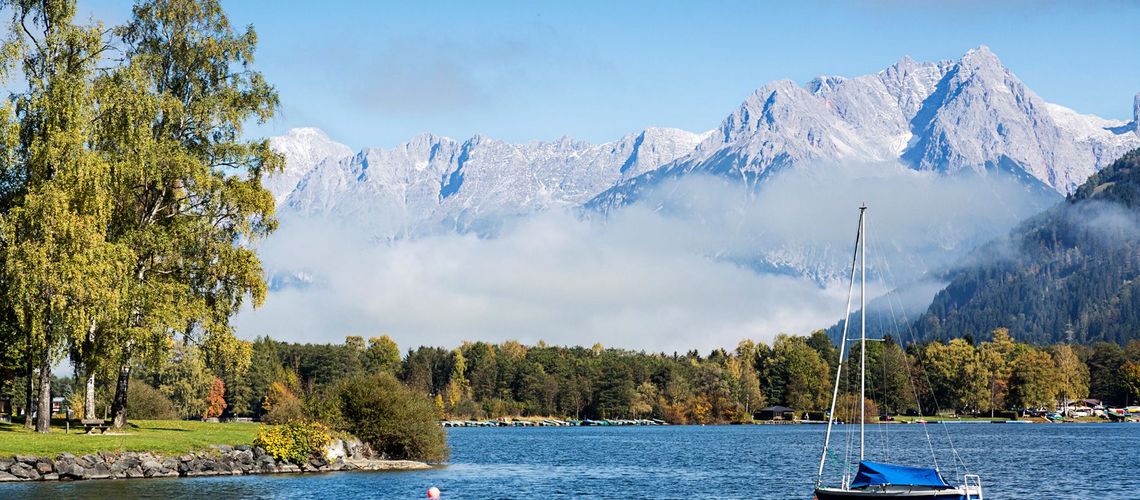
point(699, 263)
point(551, 277)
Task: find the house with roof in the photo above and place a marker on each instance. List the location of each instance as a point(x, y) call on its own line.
point(775, 413)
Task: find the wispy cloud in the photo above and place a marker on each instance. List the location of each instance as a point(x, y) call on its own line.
point(552, 277)
point(417, 76)
point(408, 77)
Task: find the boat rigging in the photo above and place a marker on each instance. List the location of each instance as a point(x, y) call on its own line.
point(875, 479)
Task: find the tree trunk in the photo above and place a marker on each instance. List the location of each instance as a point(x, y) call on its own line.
point(89, 398)
point(30, 390)
point(119, 404)
point(43, 413)
point(89, 365)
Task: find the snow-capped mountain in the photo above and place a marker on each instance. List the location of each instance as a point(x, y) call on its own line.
point(434, 183)
point(303, 149)
point(972, 114)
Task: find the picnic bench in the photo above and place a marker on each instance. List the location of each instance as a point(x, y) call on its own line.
point(92, 424)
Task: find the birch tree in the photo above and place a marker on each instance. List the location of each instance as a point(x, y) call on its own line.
point(60, 274)
point(187, 186)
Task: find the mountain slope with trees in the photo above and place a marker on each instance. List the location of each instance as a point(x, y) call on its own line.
point(1068, 274)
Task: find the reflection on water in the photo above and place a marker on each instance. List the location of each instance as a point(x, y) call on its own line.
point(1015, 461)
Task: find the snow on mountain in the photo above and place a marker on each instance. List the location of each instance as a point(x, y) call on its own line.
point(981, 114)
point(434, 183)
point(303, 149)
point(969, 115)
point(973, 114)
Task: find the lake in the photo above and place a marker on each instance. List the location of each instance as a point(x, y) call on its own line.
point(689, 462)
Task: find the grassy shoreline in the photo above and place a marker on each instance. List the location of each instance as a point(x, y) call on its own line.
point(158, 436)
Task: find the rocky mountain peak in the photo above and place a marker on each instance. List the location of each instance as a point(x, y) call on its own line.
point(303, 148)
point(424, 140)
point(980, 68)
point(981, 57)
point(824, 84)
point(307, 132)
point(972, 114)
point(907, 63)
point(969, 115)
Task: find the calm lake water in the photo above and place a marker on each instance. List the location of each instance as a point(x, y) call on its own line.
point(684, 462)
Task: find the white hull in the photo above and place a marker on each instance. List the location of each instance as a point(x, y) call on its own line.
point(960, 493)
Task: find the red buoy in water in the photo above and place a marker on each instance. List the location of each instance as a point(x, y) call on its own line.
point(433, 493)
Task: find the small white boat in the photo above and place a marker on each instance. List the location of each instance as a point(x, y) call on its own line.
point(878, 480)
point(874, 479)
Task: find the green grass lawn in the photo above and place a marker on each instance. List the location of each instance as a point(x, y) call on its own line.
point(162, 436)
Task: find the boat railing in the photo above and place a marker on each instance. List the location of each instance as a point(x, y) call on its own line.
point(972, 484)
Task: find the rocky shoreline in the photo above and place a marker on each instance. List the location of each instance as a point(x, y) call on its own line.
point(219, 460)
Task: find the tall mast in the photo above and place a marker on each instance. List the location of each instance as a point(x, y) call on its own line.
point(842, 350)
point(863, 326)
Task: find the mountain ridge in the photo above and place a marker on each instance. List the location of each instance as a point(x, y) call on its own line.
point(432, 182)
point(943, 116)
point(970, 117)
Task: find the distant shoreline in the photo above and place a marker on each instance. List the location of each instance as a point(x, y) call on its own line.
point(470, 424)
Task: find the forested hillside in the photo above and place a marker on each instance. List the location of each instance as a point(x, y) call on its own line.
point(1068, 274)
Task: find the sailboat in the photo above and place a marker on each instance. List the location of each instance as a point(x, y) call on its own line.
point(875, 479)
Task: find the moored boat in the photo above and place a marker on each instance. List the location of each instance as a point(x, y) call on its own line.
point(875, 479)
point(878, 480)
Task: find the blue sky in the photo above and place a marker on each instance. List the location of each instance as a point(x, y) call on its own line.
point(377, 73)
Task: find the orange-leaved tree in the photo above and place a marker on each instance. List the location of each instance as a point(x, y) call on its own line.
point(216, 400)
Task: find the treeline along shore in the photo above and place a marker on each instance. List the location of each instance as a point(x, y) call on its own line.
point(480, 380)
point(284, 381)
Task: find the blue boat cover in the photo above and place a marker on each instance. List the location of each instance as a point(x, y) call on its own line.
point(874, 474)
